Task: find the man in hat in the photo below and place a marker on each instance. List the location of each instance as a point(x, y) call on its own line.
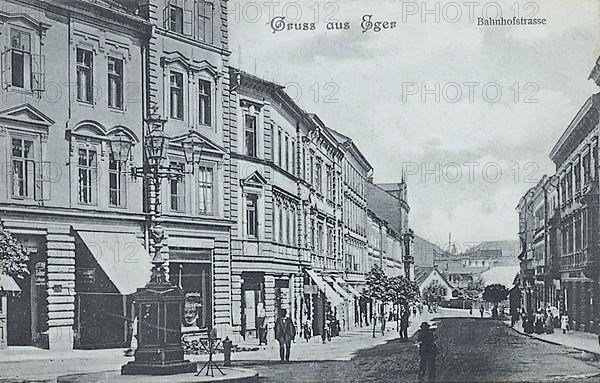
point(427, 351)
point(285, 332)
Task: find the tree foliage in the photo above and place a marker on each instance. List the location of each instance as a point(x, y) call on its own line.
point(376, 284)
point(474, 289)
point(495, 293)
point(401, 290)
point(13, 256)
point(434, 292)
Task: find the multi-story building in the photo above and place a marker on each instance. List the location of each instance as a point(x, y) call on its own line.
point(538, 259)
point(576, 158)
point(72, 84)
point(187, 84)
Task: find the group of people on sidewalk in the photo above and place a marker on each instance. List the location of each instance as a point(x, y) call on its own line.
point(542, 321)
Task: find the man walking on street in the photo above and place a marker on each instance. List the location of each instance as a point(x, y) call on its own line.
point(285, 332)
point(427, 351)
point(404, 324)
point(481, 310)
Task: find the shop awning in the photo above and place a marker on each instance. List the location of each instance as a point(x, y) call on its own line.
point(8, 285)
point(329, 292)
point(350, 289)
point(339, 289)
point(122, 258)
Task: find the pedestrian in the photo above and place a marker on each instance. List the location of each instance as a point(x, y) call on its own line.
point(539, 322)
point(285, 332)
point(549, 322)
point(404, 319)
point(529, 327)
point(481, 309)
point(307, 332)
point(427, 352)
point(564, 323)
point(261, 323)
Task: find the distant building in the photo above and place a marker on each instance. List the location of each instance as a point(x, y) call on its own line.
point(427, 276)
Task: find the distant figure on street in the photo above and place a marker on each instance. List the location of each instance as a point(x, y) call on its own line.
point(481, 309)
point(564, 323)
point(539, 322)
point(285, 332)
point(404, 324)
point(306, 330)
point(549, 322)
point(529, 324)
point(427, 352)
point(261, 316)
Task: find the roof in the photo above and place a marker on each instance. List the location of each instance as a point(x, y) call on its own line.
point(385, 205)
point(421, 273)
point(504, 275)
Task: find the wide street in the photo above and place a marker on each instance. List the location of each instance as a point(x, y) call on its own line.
point(471, 350)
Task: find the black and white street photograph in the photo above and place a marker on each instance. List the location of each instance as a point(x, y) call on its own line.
point(299, 191)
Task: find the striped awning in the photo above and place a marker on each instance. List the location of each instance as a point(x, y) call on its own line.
point(8, 285)
point(329, 292)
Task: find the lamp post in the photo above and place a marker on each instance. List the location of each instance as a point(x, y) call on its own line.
point(408, 238)
point(159, 304)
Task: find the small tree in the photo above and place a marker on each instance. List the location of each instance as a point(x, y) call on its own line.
point(13, 255)
point(401, 291)
point(376, 289)
point(434, 292)
point(474, 289)
point(495, 293)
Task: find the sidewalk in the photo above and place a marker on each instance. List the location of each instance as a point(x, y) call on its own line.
point(583, 341)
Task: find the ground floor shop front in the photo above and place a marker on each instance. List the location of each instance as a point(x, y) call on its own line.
point(78, 293)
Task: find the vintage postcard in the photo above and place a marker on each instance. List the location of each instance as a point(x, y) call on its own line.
point(299, 191)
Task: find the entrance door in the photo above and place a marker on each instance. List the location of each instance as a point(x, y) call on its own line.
point(18, 316)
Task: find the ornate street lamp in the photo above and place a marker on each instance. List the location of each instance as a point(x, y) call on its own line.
point(159, 305)
point(408, 239)
point(120, 146)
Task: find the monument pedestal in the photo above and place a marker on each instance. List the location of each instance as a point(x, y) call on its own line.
point(159, 308)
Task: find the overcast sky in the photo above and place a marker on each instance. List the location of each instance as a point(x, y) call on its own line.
point(370, 87)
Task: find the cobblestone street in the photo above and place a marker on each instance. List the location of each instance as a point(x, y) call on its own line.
point(472, 350)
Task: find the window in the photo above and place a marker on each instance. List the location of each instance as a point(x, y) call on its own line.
point(250, 135)
point(206, 183)
point(287, 154)
point(115, 83)
point(586, 169)
point(176, 81)
point(205, 21)
point(117, 182)
point(584, 228)
point(175, 15)
point(320, 238)
point(88, 175)
point(84, 75)
point(280, 218)
point(570, 185)
point(23, 168)
point(288, 229)
point(319, 178)
point(204, 102)
point(177, 188)
point(252, 215)
point(329, 186)
point(577, 173)
point(20, 43)
point(279, 143)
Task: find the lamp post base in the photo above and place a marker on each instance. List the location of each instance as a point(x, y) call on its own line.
point(137, 368)
point(159, 307)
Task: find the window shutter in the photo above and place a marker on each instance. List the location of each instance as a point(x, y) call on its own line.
point(42, 181)
point(38, 73)
point(6, 68)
